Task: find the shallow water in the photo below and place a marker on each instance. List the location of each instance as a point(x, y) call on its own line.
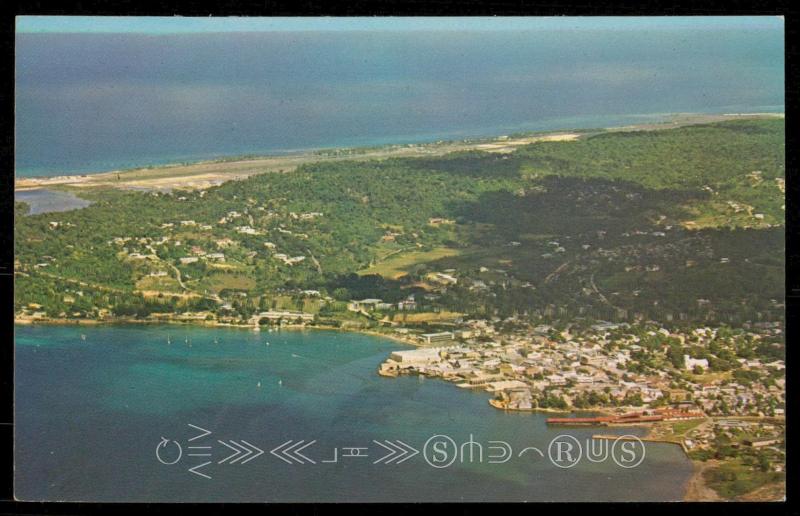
point(42, 200)
point(91, 413)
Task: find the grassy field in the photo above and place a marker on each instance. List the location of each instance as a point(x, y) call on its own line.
point(161, 284)
point(399, 264)
point(733, 478)
point(427, 316)
point(220, 281)
point(310, 305)
point(679, 429)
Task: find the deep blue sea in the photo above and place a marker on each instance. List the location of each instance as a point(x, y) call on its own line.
point(94, 102)
point(106, 417)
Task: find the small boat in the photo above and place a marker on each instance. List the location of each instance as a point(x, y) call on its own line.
point(267, 343)
point(258, 384)
point(216, 341)
point(83, 336)
point(280, 382)
point(168, 340)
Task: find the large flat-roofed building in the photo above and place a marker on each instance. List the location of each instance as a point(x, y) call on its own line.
point(417, 356)
point(277, 315)
point(443, 336)
point(364, 304)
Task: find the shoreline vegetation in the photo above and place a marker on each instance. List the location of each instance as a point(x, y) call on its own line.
point(206, 173)
point(463, 264)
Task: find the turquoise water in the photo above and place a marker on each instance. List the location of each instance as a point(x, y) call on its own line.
point(90, 414)
point(94, 102)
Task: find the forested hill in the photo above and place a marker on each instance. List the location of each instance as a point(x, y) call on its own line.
point(679, 224)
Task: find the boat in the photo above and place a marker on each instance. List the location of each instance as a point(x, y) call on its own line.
point(280, 382)
point(258, 384)
point(83, 336)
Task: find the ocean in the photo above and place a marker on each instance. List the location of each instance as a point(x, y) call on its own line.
point(94, 102)
point(156, 413)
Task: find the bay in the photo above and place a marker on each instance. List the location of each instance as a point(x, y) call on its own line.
point(92, 405)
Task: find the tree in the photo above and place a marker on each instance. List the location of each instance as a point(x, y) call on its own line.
point(341, 294)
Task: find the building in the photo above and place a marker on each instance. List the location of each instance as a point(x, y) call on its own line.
point(364, 304)
point(422, 356)
point(690, 363)
point(442, 278)
point(431, 338)
point(279, 315)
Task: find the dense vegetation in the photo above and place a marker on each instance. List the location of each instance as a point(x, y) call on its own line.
point(675, 225)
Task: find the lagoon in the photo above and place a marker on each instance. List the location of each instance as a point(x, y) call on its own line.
point(42, 200)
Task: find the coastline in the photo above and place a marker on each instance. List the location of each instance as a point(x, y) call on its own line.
point(695, 486)
point(208, 173)
point(204, 324)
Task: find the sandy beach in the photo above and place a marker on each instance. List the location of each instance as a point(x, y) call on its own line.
point(696, 488)
point(205, 174)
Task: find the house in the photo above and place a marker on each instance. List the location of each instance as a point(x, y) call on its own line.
point(438, 221)
point(247, 230)
point(445, 279)
point(690, 363)
point(364, 304)
point(288, 260)
point(407, 304)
